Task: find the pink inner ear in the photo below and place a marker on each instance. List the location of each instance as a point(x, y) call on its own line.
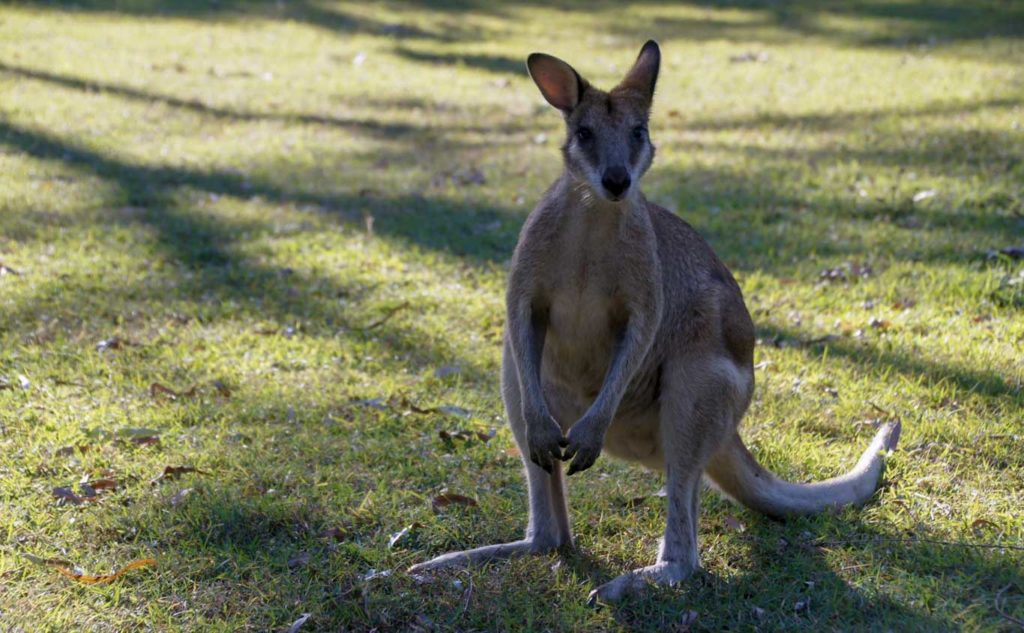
point(557, 82)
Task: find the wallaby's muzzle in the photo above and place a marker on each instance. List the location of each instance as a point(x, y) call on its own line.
point(615, 181)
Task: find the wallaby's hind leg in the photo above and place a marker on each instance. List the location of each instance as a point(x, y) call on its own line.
point(699, 405)
point(548, 528)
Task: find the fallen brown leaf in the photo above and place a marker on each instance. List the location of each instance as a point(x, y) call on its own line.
point(172, 472)
point(635, 502)
point(67, 569)
point(70, 450)
point(299, 560)
point(335, 533)
point(102, 484)
point(64, 495)
point(114, 342)
point(879, 324)
point(980, 524)
point(443, 501)
point(156, 389)
point(733, 523)
point(221, 388)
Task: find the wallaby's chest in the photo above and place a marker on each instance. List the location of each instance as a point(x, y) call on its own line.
point(586, 308)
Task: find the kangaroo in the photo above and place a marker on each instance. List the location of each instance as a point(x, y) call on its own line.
point(626, 334)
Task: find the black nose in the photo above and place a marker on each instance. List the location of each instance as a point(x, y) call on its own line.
point(615, 180)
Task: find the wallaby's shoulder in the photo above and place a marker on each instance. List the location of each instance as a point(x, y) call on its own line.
point(680, 246)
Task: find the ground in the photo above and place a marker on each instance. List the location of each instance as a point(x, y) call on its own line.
point(305, 211)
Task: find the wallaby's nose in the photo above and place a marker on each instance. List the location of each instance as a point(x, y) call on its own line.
point(615, 180)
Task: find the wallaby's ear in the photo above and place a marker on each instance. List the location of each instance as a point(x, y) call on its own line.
point(644, 73)
point(558, 82)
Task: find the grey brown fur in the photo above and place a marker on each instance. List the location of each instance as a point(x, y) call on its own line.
point(627, 334)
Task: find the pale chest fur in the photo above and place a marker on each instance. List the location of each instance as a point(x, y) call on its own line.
point(587, 306)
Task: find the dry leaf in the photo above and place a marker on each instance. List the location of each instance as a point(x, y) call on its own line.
point(749, 56)
point(1013, 252)
point(65, 495)
point(978, 524)
point(221, 388)
point(879, 324)
point(147, 440)
point(447, 370)
point(114, 342)
point(733, 523)
point(107, 578)
point(635, 502)
point(373, 403)
point(172, 472)
point(335, 533)
point(156, 389)
point(443, 501)
point(299, 560)
point(102, 484)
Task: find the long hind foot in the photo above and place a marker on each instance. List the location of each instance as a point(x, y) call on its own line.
point(480, 555)
point(662, 573)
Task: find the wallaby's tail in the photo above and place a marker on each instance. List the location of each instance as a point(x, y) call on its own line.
point(736, 473)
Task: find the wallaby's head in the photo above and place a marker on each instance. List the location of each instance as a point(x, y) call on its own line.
point(607, 145)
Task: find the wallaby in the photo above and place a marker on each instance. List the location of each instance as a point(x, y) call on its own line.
point(626, 333)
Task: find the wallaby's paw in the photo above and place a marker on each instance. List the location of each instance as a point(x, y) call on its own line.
point(584, 445)
point(663, 573)
point(545, 440)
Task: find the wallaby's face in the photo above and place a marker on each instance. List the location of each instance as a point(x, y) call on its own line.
point(607, 146)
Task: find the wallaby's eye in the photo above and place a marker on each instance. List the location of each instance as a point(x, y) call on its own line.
point(584, 134)
point(639, 132)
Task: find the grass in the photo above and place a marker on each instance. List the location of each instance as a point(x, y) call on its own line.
point(286, 198)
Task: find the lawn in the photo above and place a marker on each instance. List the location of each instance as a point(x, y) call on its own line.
point(268, 241)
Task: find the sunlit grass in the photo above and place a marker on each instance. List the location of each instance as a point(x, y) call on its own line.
point(283, 197)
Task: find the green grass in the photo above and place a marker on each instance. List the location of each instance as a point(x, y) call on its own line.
point(197, 178)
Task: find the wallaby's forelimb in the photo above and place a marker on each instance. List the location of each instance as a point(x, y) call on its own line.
point(528, 327)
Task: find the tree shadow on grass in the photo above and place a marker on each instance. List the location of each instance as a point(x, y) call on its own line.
point(498, 64)
point(897, 24)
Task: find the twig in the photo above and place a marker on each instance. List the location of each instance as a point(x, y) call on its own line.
point(390, 313)
point(999, 609)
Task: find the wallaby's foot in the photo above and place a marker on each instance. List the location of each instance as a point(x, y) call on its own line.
point(663, 573)
point(480, 555)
